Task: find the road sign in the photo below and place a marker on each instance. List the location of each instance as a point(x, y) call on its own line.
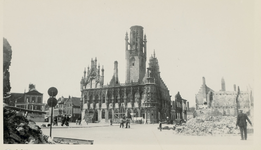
point(52, 91)
point(52, 102)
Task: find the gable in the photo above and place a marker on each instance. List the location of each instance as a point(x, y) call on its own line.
point(33, 92)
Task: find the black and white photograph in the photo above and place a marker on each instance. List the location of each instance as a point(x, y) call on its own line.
point(133, 74)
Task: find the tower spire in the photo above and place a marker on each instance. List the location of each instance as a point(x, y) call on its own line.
point(154, 53)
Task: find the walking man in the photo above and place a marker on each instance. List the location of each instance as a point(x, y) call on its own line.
point(160, 125)
point(241, 122)
point(111, 122)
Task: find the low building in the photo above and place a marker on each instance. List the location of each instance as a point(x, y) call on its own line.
point(32, 100)
point(72, 107)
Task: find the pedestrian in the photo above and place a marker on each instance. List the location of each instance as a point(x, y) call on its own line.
point(79, 121)
point(67, 120)
point(126, 122)
point(122, 123)
point(160, 125)
point(63, 120)
point(111, 122)
point(241, 122)
point(55, 122)
point(86, 119)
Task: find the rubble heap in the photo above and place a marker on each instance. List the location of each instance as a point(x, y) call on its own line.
point(209, 125)
point(19, 130)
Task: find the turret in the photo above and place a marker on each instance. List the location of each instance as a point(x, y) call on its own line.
point(99, 70)
point(84, 72)
point(116, 72)
point(145, 46)
point(102, 77)
point(126, 41)
point(223, 85)
point(204, 81)
point(92, 63)
point(95, 63)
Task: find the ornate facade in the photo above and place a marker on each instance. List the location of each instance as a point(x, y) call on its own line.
point(143, 94)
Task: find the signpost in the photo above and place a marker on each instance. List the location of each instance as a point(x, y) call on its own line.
point(52, 102)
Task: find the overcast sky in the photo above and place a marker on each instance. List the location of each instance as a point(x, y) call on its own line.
point(53, 41)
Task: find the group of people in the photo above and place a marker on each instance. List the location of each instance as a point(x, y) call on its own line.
point(65, 120)
point(127, 121)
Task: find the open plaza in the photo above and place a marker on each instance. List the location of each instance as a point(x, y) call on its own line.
point(140, 134)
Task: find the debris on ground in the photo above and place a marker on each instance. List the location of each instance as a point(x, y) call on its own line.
point(209, 125)
point(19, 130)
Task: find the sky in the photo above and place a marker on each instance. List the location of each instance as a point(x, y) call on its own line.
point(53, 41)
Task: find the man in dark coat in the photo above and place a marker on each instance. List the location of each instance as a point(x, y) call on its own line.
point(160, 125)
point(63, 120)
point(241, 122)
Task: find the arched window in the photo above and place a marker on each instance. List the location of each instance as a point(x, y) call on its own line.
point(103, 114)
point(116, 99)
point(110, 113)
point(103, 99)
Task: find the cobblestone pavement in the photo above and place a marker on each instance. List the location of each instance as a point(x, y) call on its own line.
point(148, 134)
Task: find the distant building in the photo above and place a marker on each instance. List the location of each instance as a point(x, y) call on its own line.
point(143, 94)
point(179, 108)
point(224, 102)
point(32, 100)
point(72, 107)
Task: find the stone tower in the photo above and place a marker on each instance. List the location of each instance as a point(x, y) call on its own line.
point(223, 85)
point(135, 55)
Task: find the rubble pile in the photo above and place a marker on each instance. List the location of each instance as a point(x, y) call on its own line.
point(19, 130)
point(209, 125)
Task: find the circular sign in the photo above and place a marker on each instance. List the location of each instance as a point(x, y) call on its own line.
point(52, 102)
point(52, 91)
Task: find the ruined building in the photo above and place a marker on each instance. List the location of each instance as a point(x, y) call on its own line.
point(143, 94)
point(224, 102)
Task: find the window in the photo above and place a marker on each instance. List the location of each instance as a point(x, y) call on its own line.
point(116, 99)
point(103, 114)
point(39, 99)
point(103, 99)
point(33, 99)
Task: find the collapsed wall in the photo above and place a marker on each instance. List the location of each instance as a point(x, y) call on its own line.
point(208, 123)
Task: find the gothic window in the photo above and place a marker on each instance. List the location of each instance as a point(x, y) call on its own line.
point(116, 99)
point(85, 99)
point(103, 99)
point(110, 114)
point(136, 113)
